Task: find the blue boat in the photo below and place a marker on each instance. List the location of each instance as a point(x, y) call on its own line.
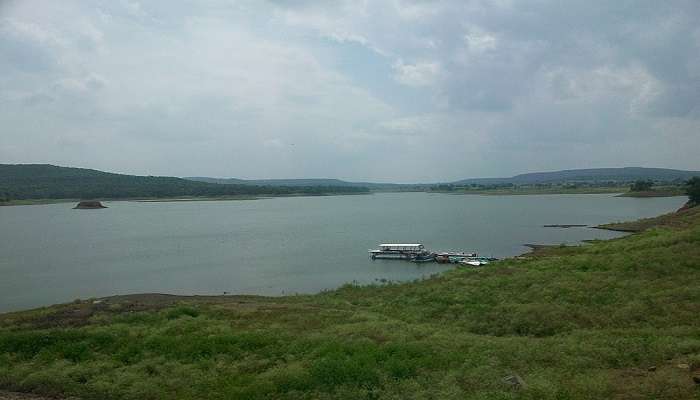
point(423, 257)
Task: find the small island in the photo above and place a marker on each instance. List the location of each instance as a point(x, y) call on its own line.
point(89, 205)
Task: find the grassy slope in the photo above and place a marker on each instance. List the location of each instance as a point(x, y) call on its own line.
point(579, 323)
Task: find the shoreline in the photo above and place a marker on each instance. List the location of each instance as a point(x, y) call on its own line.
point(33, 202)
point(616, 193)
point(678, 218)
point(681, 218)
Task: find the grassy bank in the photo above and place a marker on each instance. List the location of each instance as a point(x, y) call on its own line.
point(683, 219)
point(614, 319)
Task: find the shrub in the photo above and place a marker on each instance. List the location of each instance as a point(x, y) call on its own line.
point(182, 311)
point(693, 190)
point(641, 186)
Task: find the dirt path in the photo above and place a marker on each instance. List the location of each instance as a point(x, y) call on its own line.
point(22, 396)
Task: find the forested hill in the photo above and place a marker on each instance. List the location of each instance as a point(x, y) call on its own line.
point(43, 181)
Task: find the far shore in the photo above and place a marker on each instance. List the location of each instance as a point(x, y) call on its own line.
point(535, 192)
point(618, 191)
point(28, 202)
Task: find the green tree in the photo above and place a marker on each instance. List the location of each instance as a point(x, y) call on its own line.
point(693, 190)
point(641, 186)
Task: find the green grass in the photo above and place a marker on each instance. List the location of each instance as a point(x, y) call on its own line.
point(578, 323)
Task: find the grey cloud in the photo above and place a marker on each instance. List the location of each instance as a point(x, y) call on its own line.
point(24, 47)
point(681, 101)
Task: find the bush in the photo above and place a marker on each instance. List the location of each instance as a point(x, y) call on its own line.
point(693, 190)
point(641, 186)
point(182, 311)
point(339, 369)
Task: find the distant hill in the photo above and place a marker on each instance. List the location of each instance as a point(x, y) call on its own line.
point(618, 175)
point(44, 181)
point(296, 182)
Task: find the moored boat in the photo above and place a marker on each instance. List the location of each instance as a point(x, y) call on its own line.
point(477, 261)
point(416, 252)
point(452, 256)
point(424, 257)
point(442, 258)
point(398, 251)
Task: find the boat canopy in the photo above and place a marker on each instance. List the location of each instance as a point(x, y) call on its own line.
point(401, 246)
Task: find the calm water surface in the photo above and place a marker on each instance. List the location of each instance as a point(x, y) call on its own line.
point(52, 253)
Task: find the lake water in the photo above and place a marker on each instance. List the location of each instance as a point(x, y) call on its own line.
point(52, 253)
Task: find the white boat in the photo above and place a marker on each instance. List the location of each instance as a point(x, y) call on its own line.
point(476, 261)
point(398, 251)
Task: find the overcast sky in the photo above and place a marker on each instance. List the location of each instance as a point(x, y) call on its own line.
point(392, 90)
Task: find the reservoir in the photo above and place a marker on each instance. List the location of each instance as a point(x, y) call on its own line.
point(53, 253)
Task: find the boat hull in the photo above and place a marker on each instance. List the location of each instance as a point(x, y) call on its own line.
point(390, 256)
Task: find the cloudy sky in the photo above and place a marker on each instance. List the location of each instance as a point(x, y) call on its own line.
point(395, 90)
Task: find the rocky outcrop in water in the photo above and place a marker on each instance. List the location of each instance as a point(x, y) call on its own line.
point(89, 205)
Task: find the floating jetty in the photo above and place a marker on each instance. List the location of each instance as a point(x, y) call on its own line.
point(416, 252)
